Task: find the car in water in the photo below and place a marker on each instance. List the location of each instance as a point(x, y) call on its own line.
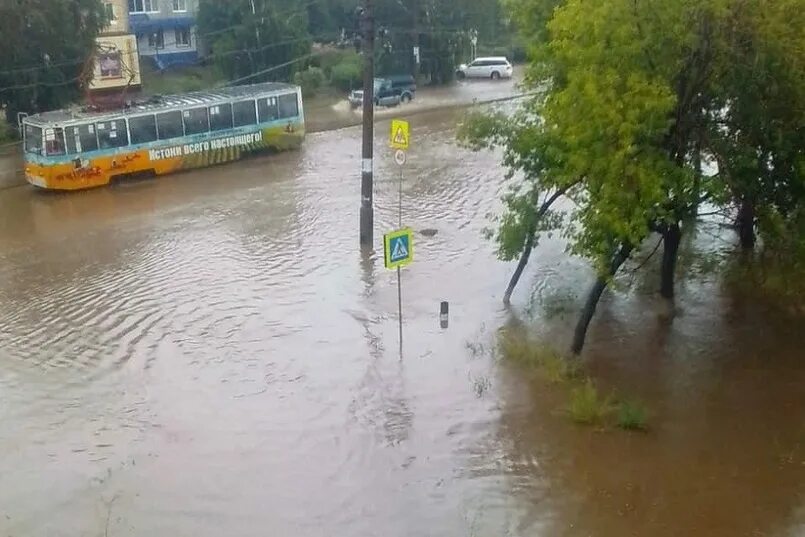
point(385, 94)
point(406, 84)
point(494, 67)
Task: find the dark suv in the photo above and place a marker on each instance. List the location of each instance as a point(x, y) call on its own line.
point(406, 84)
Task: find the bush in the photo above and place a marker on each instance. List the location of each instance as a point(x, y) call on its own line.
point(7, 132)
point(632, 416)
point(347, 74)
point(330, 58)
point(587, 406)
point(311, 80)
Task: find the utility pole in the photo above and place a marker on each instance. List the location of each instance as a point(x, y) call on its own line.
point(367, 165)
point(416, 51)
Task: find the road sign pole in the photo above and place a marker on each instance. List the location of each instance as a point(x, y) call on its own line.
point(398, 246)
point(399, 276)
point(399, 309)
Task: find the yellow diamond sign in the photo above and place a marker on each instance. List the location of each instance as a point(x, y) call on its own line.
point(400, 134)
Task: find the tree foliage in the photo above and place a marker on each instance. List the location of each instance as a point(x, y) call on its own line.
point(247, 37)
point(46, 48)
point(632, 96)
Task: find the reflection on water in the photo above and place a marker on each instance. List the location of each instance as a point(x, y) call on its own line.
point(212, 353)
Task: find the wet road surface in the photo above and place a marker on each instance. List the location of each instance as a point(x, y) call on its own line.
point(210, 354)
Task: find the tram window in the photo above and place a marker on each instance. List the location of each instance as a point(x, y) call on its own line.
point(288, 105)
point(33, 139)
point(244, 113)
point(80, 139)
point(267, 108)
point(196, 121)
point(112, 134)
point(169, 125)
point(54, 142)
point(143, 129)
point(221, 117)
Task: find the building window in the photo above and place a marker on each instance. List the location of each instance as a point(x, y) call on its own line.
point(179, 5)
point(182, 37)
point(143, 6)
point(156, 39)
point(111, 65)
point(109, 11)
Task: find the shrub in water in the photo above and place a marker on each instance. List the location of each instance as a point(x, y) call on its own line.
point(587, 406)
point(632, 415)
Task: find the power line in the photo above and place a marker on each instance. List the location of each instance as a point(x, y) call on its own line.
point(43, 84)
point(270, 69)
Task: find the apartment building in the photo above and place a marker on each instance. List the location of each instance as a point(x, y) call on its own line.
point(166, 30)
point(117, 63)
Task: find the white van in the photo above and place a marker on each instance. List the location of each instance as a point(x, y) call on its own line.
point(494, 67)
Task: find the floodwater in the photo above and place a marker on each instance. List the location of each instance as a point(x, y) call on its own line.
point(210, 354)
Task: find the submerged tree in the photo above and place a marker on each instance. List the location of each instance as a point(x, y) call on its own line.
point(46, 52)
point(630, 97)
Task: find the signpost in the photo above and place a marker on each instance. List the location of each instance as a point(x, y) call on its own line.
point(399, 157)
point(398, 246)
point(400, 134)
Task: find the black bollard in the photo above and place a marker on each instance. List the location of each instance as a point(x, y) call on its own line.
point(444, 314)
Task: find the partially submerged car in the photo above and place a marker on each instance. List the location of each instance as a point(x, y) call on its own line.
point(385, 94)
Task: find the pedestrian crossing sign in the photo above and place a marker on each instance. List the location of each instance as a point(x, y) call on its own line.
point(400, 134)
point(398, 247)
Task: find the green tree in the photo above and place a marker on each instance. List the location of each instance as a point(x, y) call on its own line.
point(46, 52)
point(266, 38)
point(631, 97)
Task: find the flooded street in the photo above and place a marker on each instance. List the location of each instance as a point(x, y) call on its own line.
point(209, 354)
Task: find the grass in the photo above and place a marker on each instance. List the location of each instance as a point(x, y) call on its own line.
point(587, 406)
point(555, 367)
point(558, 369)
point(632, 416)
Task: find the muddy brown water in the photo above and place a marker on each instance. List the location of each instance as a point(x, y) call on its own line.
point(210, 354)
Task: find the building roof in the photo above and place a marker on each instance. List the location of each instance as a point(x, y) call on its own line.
point(161, 103)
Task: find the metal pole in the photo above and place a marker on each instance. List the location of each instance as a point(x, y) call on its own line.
point(415, 40)
point(399, 308)
point(399, 277)
point(367, 165)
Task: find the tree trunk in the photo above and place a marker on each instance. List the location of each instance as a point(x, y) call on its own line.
point(529, 242)
point(529, 245)
point(670, 240)
point(594, 296)
point(746, 223)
